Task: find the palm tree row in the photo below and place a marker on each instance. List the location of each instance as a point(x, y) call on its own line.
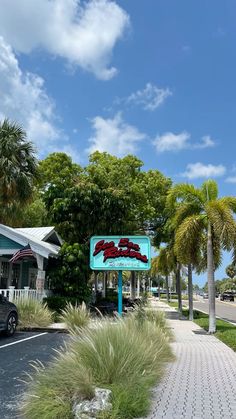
point(201, 225)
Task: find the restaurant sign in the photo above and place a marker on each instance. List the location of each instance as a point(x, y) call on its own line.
point(126, 253)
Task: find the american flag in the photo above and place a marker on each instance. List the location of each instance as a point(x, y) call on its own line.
point(24, 252)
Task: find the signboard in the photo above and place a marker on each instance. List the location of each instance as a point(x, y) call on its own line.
point(124, 253)
point(40, 274)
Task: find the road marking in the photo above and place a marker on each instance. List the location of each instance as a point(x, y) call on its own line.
point(217, 317)
point(23, 340)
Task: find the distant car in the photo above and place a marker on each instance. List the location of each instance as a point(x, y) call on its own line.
point(205, 295)
point(8, 316)
point(228, 295)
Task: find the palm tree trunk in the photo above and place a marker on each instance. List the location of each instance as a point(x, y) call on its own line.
point(167, 289)
point(159, 287)
point(190, 291)
point(178, 288)
point(211, 282)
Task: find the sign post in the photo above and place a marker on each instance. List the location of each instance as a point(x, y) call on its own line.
point(120, 293)
point(120, 253)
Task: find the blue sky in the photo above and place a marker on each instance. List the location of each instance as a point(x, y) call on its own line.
point(152, 78)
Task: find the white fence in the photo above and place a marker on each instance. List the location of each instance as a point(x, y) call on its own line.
point(13, 294)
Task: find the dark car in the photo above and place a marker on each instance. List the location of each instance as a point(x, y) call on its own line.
point(229, 296)
point(8, 316)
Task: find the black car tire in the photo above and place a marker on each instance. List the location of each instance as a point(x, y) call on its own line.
point(11, 324)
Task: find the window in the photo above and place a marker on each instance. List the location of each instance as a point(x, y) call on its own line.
point(4, 274)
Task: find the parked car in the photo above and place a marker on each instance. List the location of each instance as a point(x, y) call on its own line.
point(8, 316)
point(228, 295)
point(205, 295)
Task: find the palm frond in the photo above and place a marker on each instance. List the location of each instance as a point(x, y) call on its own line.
point(184, 192)
point(184, 210)
point(223, 223)
point(209, 190)
point(166, 261)
point(188, 239)
point(229, 201)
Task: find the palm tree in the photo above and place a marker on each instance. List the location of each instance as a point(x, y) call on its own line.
point(165, 265)
point(155, 272)
point(18, 168)
point(205, 226)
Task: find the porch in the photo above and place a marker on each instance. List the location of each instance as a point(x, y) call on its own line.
point(24, 255)
point(13, 294)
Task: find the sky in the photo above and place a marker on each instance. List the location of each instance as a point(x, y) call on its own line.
point(148, 77)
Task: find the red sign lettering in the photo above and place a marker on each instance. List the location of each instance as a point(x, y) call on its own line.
point(110, 251)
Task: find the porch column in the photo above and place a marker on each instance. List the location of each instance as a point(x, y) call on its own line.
point(9, 280)
point(41, 273)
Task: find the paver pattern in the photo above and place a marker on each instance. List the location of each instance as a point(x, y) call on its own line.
point(201, 383)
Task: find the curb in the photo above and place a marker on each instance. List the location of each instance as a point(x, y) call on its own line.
point(43, 330)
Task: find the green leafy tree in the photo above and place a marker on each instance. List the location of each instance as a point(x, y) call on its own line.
point(58, 169)
point(228, 285)
point(206, 226)
point(231, 271)
point(69, 273)
point(18, 170)
point(146, 191)
point(86, 210)
point(110, 196)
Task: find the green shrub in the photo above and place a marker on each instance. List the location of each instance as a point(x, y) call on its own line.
point(75, 317)
point(33, 313)
point(57, 303)
point(125, 356)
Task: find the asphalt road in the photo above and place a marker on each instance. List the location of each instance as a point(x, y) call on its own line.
point(225, 310)
point(15, 355)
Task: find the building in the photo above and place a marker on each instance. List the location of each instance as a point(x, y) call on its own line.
point(26, 269)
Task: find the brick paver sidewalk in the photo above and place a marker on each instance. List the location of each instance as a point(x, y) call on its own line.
point(201, 383)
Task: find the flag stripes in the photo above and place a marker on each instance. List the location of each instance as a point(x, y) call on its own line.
point(24, 252)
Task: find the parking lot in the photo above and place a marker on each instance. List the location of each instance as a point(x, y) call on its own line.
point(16, 353)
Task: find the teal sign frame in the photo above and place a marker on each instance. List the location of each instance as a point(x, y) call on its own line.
point(120, 253)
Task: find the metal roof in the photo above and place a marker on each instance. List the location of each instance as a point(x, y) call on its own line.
point(38, 232)
point(38, 246)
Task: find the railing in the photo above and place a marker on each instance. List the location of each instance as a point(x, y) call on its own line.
point(16, 294)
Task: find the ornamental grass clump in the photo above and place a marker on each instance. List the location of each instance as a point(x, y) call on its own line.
point(157, 317)
point(52, 391)
point(75, 317)
point(33, 313)
point(125, 356)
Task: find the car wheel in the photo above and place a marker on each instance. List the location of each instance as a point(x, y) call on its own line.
point(11, 324)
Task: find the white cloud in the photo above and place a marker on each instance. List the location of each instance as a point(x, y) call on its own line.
point(83, 33)
point(231, 179)
point(150, 98)
point(114, 136)
point(172, 142)
point(177, 142)
point(23, 98)
point(206, 142)
point(200, 170)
